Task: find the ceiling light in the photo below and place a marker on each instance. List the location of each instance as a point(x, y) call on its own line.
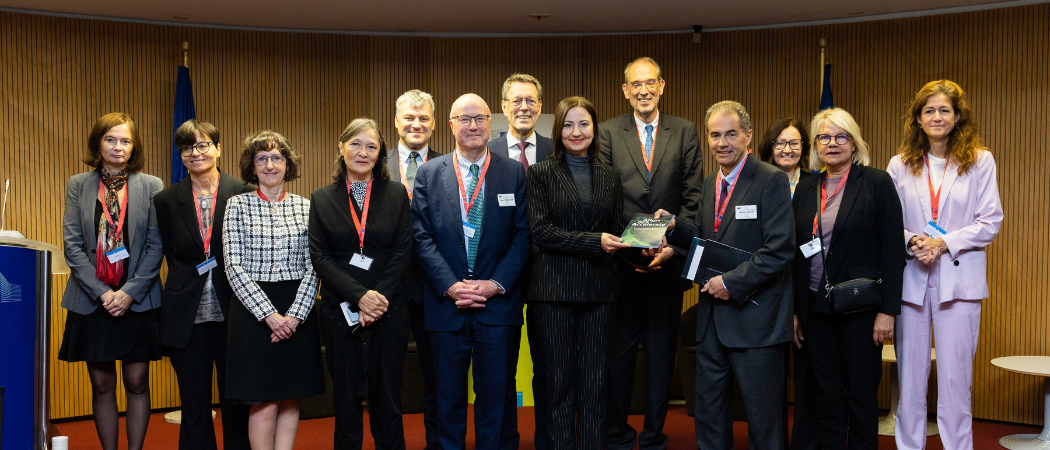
point(539, 16)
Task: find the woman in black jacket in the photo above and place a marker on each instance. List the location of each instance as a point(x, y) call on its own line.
point(576, 214)
point(858, 236)
point(360, 243)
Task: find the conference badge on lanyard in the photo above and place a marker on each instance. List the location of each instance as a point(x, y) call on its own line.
point(209, 263)
point(359, 259)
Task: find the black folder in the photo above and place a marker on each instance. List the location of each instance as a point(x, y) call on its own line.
point(715, 259)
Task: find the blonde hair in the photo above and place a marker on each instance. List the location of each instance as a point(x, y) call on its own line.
point(842, 119)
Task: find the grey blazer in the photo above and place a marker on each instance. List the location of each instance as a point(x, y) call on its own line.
point(78, 233)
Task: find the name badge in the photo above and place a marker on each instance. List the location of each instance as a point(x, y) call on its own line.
point(934, 231)
point(506, 199)
point(746, 212)
point(810, 248)
point(206, 266)
point(350, 316)
point(360, 261)
point(117, 254)
point(468, 230)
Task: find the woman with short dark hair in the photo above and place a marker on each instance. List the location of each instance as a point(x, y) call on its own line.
point(361, 243)
point(274, 360)
point(113, 248)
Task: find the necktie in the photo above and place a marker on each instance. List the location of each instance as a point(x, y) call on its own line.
point(474, 216)
point(725, 196)
point(410, 171)
point(648, 146)
point(521, 157)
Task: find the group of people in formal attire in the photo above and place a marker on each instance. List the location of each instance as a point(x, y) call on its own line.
point(461, 249)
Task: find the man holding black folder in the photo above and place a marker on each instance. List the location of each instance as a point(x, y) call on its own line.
point(744, 312)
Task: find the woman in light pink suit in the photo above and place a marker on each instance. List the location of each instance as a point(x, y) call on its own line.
point(946, 181)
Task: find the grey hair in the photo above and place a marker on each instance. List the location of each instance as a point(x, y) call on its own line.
point(659, 74)
point(522, 78)
point(729, 107)
point(414, 99)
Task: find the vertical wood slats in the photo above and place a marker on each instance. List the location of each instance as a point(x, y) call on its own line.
point(59, 75)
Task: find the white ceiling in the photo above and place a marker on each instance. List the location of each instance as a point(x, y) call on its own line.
point(496, 16)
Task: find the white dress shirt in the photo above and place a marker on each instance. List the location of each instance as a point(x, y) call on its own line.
point(403, 154)
point(464, 171)
point(515, 153)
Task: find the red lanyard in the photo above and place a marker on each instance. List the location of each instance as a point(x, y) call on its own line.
point(645, 157)
point(721, 211)
point(360, 224)
point(404, 179)
point(824, 199)
point(263, 196)
point(935, 197)
point(105, 207)
point(477, 187)
point(206, 234)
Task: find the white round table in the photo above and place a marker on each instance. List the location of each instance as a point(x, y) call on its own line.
point(1029, 365)
point(887, 425)
point(175, 417)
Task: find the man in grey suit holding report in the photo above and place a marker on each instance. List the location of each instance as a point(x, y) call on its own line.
point(657, 156)
point(743, 315)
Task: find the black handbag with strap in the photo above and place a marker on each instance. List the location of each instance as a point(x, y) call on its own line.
point(850, 296)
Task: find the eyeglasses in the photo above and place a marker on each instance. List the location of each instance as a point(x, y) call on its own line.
point(637, 85)
point(481, 120)
point(825, 139)
point(518, 101)
point(276, 159)
point(201, 148)
point(795, 144)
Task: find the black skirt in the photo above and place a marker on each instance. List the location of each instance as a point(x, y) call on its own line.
point(258, 371)
point(100, 337)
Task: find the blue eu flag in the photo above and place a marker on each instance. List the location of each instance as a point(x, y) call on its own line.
point(184, 111)
point(825, 91)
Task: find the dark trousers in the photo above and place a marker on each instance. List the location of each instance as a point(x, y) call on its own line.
point(193, 369)
point(372, 363)
point(760, 374)
point(487, 346)
point(575, 337)
point(804, 427)
point(426, 365)
point(541, 438)
point(650, 318)
point(847, 367)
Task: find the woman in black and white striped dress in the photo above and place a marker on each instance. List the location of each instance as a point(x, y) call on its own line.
point(576, 214)
point(274, 359)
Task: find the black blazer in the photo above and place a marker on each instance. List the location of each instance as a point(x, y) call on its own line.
point(570, 265)
point(184, 250)
point(759, 312)
point(416, 277)
point(677, 166)
point(865, 242)
point(334, 240)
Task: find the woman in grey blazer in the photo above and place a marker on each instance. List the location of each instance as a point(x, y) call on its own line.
point(576, 214)
point(113, 248)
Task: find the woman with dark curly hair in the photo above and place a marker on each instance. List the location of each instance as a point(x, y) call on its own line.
point(945, 178)
point(274, 360)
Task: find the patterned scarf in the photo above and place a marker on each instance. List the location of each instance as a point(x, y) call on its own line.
point(108, 238)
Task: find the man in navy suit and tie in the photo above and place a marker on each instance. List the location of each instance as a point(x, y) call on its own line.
point(472, 238)
point(522, 103)
point(414, 119)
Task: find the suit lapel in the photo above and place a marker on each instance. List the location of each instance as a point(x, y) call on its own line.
point(947, 182)
point(135, 197)
point(601, 191)
point(393, 164)
point(743, 184)
point(923, 189)
point(849, 197)
point(451, 187)
point(491, 190)
point(634, 146)
point(561, 172)
point(188, 211)
point(660, 145)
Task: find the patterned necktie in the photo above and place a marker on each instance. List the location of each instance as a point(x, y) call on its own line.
point(648, 146)
point(521, 157)
point(410, 171)
point(725, 195)
point(474, 216)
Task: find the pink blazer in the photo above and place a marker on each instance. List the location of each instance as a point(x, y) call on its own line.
point(969, 211)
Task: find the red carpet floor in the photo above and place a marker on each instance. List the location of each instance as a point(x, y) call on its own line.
point(317, 434)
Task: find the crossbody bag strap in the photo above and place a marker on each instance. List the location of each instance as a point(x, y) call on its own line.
point(823, 261)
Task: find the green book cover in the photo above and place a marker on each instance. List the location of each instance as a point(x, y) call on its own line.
point(646, 232)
